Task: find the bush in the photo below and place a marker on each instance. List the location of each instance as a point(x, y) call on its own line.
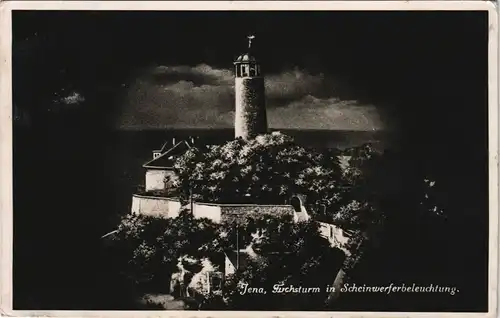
point(288, 252)
point(148, 248)
point(267, 169)
point(166, 193)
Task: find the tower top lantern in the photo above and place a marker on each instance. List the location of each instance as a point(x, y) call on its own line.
point(248, 57)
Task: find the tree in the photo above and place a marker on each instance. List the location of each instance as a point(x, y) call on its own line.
point(267, 169)
point(149, 248)
point(360, 209)
point(406, 221)
point(139, 250)
point(271, 168)
point(287, 253)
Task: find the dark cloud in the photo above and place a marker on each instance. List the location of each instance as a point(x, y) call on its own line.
point(203, 96)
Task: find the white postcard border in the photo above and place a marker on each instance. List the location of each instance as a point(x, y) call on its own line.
point(6, 191)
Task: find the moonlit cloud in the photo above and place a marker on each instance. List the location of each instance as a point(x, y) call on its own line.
point(203, 97)
point(315, 113)
point(73, 98)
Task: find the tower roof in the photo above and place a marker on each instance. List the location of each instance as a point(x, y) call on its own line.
point(246, 58)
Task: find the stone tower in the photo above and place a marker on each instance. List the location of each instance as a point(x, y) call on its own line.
point(250, 117)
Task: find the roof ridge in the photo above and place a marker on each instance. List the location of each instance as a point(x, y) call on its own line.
point(166, 152)
point(164, 146)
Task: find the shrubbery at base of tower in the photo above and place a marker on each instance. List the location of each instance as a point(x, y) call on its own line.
point(271, 168)
point(362, 197)
point(265, 170)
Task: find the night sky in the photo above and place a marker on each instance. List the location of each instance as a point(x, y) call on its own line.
point(348, 71)
point(82, 76)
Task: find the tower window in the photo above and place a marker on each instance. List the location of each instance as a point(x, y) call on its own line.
point(253, 70)
point(244, 70)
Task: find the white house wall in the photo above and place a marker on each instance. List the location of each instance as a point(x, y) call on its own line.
point(334, 235)
point(229, 267)
point(155, 179)
point(209, 211)
point(155, 206)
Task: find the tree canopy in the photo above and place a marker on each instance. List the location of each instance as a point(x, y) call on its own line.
point(149, 248)
point(287, 253)
point(359, 195)
point(271, 168)
point(267, 170)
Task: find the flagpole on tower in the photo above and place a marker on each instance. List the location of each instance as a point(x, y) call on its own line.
point(250, 38)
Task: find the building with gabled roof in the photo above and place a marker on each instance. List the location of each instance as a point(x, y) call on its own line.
point(163, 149)
point(160, 170)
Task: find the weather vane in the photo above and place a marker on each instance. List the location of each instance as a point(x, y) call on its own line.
point(250, 38)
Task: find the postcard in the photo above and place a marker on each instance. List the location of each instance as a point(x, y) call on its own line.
point(249, 158)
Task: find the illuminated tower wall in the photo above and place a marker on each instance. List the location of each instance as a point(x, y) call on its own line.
point(250, 113)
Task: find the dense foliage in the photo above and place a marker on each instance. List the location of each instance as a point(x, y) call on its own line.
point(267, 169)
point(169, 192)
point(286, 253)
point(354, 189)
point(271, 168)
point(405, 238)
point(149, 248)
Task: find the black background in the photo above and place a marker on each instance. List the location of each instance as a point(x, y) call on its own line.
point(425, 71)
